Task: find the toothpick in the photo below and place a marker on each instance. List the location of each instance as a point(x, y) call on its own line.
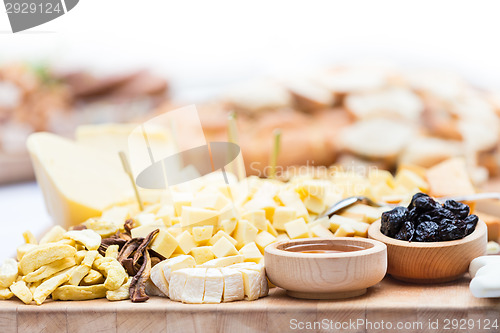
point(275, 152)
point(128, 171)
point(232, 133)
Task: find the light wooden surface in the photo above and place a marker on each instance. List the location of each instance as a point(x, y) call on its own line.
point(390, 300)
point(326, 275)
point(431, 262)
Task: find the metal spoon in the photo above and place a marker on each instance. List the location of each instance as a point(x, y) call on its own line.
point(347, 202)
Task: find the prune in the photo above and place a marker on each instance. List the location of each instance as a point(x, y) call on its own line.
point(415, 197)
point(471, 222)
point(451, 230)
point(441, 213)
point(392, 221)
point(413, 214)
point(427, 232)
point(406, 232)
point(426, 203)
point(459, 209)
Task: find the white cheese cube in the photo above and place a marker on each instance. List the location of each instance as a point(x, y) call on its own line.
point(177, 283)
point(251, 282)
point(214, 286)
point(195, 286)
point(245, 233)
point(264, 286)
point(186, 243)
point(228, 225)
point(224, 248)
point(320, 231)
point(256, 217)
point(192, 216)
point(202, 234)
point(263, 239)
point(283, 215)
point(251, 252)
point(202, 254)
point(234, 289)
point(297, 229)
point(158, 278)
point(314, 205)
point(219, 235)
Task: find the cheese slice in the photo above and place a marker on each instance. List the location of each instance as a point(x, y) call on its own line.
point(158, 278)
point(77, 182)
point(234, 289)
point(214, 286)
point(194, 288)
point(251, 282)
point(264, 286)
point(223, 262)
point(174, 264)
point(177, 283)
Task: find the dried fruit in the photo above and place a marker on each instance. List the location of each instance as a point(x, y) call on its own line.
point(471, 222)
point(460, 210)
point(393, 220)
point(406, 232)
point(427, 232)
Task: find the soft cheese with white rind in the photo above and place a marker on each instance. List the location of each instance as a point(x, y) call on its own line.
point(251, 282)
point(264, 286)
point(487, 285)
point(177, 283)
point(214, 286)
point(223, 262)
point(234, 289)
point(479, 262)
point(158, 278)
point(77, 182)
point(180, 262)
point(195, 286)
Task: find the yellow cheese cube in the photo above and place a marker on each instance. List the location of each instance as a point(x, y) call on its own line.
point(202, 254)
point(164, 243)
point(175, 231)
point(314, 205)
point(324, 221)
point(337, 220)
point(313, 188)
point(228, 213)
point(245, 233)
point(192, 216)
point(411, 180)
point(144, 230)
point(213, 201)
point(251, 253)
point(297, 229)
point(228, 225)
point(344, 230)
point(165, 213)
point(263, 239)
point(290, 198)
point(319, 230)
point(282, 238)
point(363, 213)
point(218, 236)
point(256, 217)
point(224, 248)
point(283, 215)
point(416, 169)
point(151, 209)
point(378, 191)
point(360, 228)
point(117, 215)
point(181, 199)
point(202, 234)
point(270, 229)
point(381, 177)
point(145, 219)
point(186, 242)
point(265, 203)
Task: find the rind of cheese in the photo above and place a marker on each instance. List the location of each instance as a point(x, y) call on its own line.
point(264, 286)
point(158, 278)
point(251, 282)
point(195, 286)
point(153, 290)
point(234, 289)
point(214, 286)
point(77, 182)
point(223, 262)
point(177, 283)
point(180, 262)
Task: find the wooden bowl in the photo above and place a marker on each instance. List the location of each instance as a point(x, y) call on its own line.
point(326, 275)
point(432, 262)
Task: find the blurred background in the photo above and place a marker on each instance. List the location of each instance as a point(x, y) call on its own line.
point(307, 67)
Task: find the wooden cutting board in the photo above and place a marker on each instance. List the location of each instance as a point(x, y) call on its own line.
point(390, 301)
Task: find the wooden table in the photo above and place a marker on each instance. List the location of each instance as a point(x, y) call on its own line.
point(390, 301)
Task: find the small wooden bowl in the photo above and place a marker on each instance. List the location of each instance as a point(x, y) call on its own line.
point(432, 262)
point(326, 275)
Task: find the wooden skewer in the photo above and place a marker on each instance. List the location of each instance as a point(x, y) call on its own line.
point(275, 152)
point(232, 133)
point(128, 171)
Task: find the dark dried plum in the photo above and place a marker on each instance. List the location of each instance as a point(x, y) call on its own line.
point(459, 209)
point(427, 232)
point(471, 222)
point(451, 230)
point(406, 232)
point(415, 197)
point(441, 214)
point(426, 203)
point(393, 220)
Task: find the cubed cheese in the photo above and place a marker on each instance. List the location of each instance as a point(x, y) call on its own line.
point(202, 234)
point(363, 213)
point(320, 231)
point(290, 198)
point(264, 287)
point(270, 229)
point(411, 180)
point(145, 219)
point(224, 248)
point(263, 239)
point(158, 278)
point(229, 225)
point(180, 262)
point(164, 243)
point(265, 203)
point(165, 213)
point(220, 234)
point(282, 238)
point(314, 205)
point(283, 215)
point(177, 283)
point(251, 253)
point(144, 230)
point(181, 200)
point(192, 216)
point(256, 217)
point(245, 233)
point(202, 254)
point(297, 229)
point(251, 282)
point(213, 200)
point(214, 286)
point(185, 242)
point(116, 215)
point(344, 230)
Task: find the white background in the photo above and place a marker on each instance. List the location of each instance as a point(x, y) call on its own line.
point(205, 46)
